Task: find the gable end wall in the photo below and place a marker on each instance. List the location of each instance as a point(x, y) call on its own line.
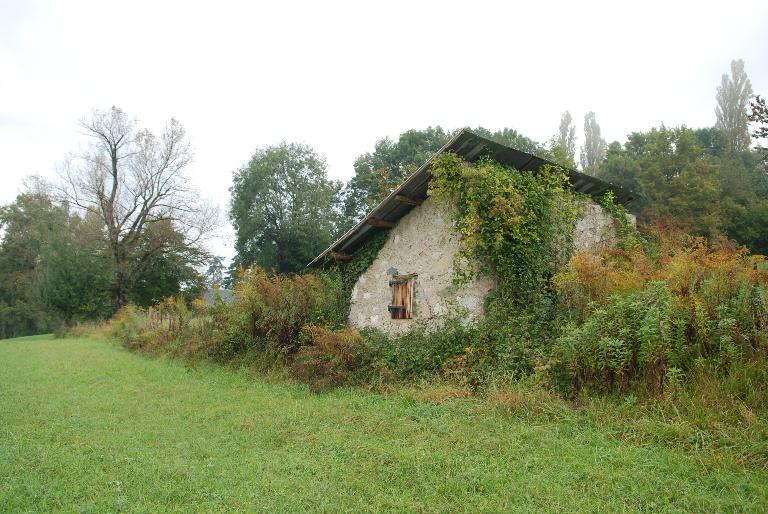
point(424, 242)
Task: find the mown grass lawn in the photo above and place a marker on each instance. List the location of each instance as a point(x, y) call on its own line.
point(87, 426)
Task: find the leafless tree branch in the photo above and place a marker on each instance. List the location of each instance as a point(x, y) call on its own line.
point(133, 180)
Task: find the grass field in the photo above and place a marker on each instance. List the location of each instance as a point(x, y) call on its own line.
point(86, 426)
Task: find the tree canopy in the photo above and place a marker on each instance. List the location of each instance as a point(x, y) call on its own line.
point(688, 177)
point(563, 146)
point(593, 151)
point(121, 225)
point(56, 268)
point(284, 208)
point(759, 115)
point(26, 224)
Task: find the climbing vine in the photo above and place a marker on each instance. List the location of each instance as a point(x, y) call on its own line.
point(627, 234)
point(348, 272)
point(512, 224)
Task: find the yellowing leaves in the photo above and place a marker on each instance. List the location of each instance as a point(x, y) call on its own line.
point(511, 223)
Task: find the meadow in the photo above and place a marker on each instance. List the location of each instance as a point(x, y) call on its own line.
point(88, 426)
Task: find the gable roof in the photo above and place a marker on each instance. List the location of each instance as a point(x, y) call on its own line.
point(471, 147)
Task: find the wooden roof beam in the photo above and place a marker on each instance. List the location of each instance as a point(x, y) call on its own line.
point(378, 222)
point(340, 256)
point(407, 200)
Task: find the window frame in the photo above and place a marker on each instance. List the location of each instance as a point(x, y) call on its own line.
point(403, 291)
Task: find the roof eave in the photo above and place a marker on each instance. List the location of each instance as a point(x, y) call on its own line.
point(419, 173)
point(526, 162)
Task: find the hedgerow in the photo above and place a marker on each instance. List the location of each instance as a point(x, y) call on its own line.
point(267, 317)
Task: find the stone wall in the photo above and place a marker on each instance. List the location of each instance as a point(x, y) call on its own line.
point(594, 228)
point(425, 243)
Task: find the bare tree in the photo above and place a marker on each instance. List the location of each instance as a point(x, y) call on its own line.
point(133, 182)
point(593, 151)
point(566, 137)
point(732, 101)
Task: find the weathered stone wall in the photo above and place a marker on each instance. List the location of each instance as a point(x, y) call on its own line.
point(594, 228)
point(424, 242)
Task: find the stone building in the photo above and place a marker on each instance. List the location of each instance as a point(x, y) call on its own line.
point(411, 278)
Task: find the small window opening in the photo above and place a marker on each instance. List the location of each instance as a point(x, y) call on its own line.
point(402, 296)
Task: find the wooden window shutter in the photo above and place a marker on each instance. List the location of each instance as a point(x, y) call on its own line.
point(402, 296)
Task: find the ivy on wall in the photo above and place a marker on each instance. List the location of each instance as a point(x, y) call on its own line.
point(512, 224)
point(349, 272)
point(517, 226)
point(627, 235)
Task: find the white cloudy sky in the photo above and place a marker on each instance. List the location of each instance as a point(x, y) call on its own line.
point(339, 75)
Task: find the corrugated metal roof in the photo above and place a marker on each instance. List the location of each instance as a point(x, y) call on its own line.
point(471, 147)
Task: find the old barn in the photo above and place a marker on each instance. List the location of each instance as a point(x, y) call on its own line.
point(410, 279)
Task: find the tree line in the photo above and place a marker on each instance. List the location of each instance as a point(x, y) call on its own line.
point(709, 181)
point(122, 224)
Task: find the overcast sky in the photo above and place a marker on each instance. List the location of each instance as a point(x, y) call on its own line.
point(340, 75)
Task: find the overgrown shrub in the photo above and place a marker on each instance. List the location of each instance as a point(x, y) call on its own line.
point(332, 357)
point(128, 326)
point(421, 352)
point(627, 336)
point(269, 312)
point(649, 313)
point(514, 342)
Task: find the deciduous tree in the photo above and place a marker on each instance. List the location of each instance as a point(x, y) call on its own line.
point(759, 115)
point(133, 180)
point(566, 136)
point(24, 224)
point(284, 208)
point(732, 99)
point(74, 273)
point(380, 171)
point(593, 151)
